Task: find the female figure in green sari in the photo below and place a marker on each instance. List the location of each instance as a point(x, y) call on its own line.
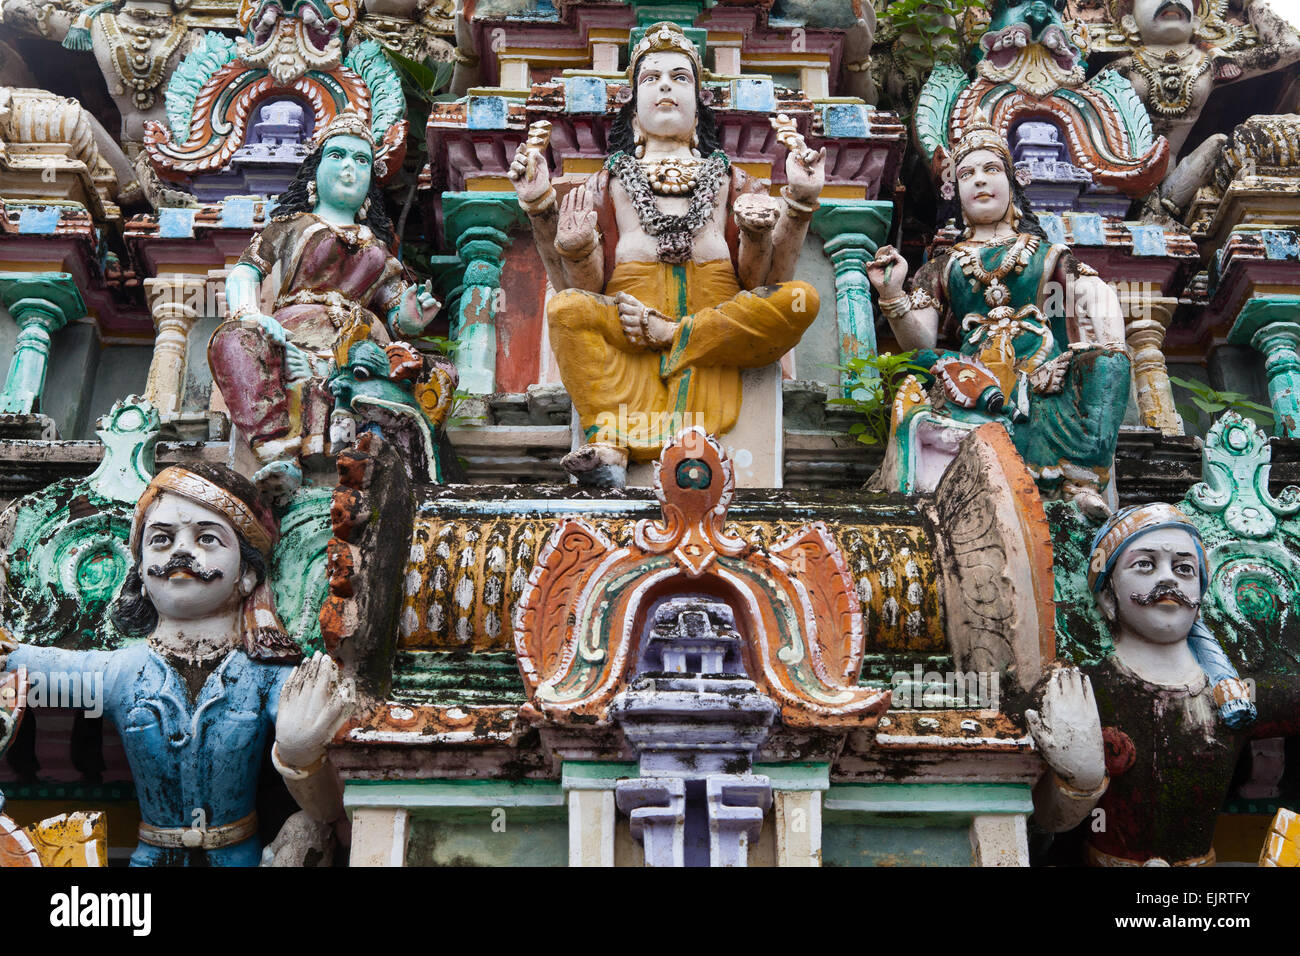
point(1039, 339)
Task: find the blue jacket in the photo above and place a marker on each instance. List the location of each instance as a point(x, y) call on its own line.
point(182, 757)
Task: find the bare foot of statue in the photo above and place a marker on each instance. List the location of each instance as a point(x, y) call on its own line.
point(643, 325)
point(598, 465)
point(278, 482)
point(1089, 500)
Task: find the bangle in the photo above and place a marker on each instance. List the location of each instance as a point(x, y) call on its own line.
point(542, 204)
point(1072, 791)
point(243, 312)
point(921, 299)
point(583, 253)
point(797, 210)
point(897, 307)
point(295, 773)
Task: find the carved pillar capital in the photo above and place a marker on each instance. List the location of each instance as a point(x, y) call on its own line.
point(41, 304)
point(1269, 324)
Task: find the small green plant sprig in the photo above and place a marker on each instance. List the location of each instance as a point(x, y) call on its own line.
point(1213, 403)
point(872, 382)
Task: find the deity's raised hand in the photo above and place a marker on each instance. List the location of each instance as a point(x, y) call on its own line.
point(313, 705)
point(805, 167)
point(575, 232)
point(887, 272)
point(528, 171)
point(1067, 729)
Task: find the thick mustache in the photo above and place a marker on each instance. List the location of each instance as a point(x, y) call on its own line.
point(1161, 591)
point(183, 562)
point(1173, 5)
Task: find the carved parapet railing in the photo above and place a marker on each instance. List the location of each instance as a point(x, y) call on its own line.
point(41, 304)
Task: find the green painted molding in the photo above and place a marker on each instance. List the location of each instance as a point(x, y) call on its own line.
point(434, 794)
point(595, 775)
point(466, 210)
point(1262, 310)
point(128, 433)
point(869, 218)
point(965, 798)
point(796, 776)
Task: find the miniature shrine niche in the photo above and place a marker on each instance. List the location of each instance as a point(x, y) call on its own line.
point(733, 434)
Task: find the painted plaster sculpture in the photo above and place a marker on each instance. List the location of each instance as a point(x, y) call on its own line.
point(241, 115)
point(1089, 140)
point(650, 313)
point(1041, 340)
point(339, 285)
point(1181, 52)
point(196, 699)
point(137, 44)
point(1176, 714)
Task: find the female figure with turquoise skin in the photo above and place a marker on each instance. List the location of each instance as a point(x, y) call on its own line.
point(338, 282)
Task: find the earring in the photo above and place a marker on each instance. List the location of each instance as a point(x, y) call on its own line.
point(364, 210)
point(638, 142)
point(311, 191)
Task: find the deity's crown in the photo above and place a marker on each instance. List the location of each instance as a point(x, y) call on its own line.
point(664, 37)
point(981, 134)
point(347, 123)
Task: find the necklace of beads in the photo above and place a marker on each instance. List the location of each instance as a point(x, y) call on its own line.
point(1014, 260)
point(672, 176)
point(1172, 84)
point(674, 235)
point(129, 44)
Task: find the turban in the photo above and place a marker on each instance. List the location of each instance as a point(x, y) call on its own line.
point(1126, 527)
point(231, 494)
point(249, 517)
point(1230, 692)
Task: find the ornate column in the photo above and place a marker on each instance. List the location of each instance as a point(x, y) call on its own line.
point(41, 304)
point(1271, 325)
point(479, 224)
point(176, 303)
point(853, 230)
point(1146, 320)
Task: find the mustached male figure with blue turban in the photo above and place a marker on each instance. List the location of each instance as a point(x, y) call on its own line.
point(1174, 711)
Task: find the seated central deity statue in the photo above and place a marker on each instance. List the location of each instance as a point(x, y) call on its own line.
point(672, 268)
point(1040, 340)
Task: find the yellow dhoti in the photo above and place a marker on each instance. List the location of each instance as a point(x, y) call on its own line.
point(630, 396)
